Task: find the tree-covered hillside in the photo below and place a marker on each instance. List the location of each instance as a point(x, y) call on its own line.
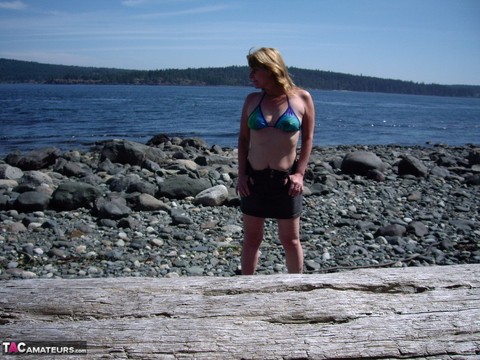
point(15, 71)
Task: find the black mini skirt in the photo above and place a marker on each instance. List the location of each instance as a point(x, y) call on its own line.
point(269, 196)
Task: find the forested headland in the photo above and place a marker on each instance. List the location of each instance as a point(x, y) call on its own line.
point(16, 71)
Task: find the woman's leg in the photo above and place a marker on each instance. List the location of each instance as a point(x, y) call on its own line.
point(289, 233)
point(252, 239)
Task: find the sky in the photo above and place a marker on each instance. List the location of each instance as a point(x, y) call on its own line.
point(426, 41)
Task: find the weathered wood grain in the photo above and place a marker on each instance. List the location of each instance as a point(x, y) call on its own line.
point(428, 312)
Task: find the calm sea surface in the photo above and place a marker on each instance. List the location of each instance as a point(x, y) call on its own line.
point(75, 116)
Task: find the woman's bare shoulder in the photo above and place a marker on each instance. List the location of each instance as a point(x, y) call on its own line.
point(253, 99)
point(302, 93)
point(254, 95)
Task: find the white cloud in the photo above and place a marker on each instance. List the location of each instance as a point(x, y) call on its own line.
point(12, 5)
point(133, 2)
point(191, 11)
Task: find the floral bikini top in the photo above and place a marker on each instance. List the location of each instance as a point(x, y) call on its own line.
point(288, 121)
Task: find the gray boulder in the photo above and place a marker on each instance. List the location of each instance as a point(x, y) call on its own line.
point(112, 208)
point(129, 152)
point(181, 186)
point(9, 172)
point(147, 202)
point(474, 157)
point(35, 178)
point(132, 183)
point(214, 196)
point(391, 230)
point(73, 169)
point(472, 179)
point(31, 201)
point(418, 228)
point(410, 165)
point(361, 162)
point(73, 195)
point(34, 160)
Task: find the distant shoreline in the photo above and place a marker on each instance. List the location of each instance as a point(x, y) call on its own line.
point(16, 71)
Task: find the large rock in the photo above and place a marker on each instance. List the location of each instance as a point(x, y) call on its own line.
point(132, 183)
point(181, 186)
point(214, 196)
point(361, 163)
point(73, 195)
point(147, 202)
point(34, 160)
point(71, 168)
point(36, 178)
point(112, 208)
point(129, 152)
point(410, 165)
point(391, 230)
point(8, 172)
point(31, 201)
point(474, 157)
point(472, 179)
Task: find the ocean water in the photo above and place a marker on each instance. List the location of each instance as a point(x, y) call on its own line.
point(76, 116)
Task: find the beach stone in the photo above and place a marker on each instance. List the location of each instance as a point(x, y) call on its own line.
point(72, 169)
point(6, 184)
point(376, 175)
point(122, 183)
point(214, 196)
point(180, 217)
point(312, 265)
point(147, 202)
point(361, 162)
point(158, 139)
point(34, 160)
point(15, 227)
point(143, 187)
point(461, 225)
point(391, 230)
point(197, 143)
point(440, 171)
point(410, 165)
point(9, 172)
point(31, 201)
point(189, 165)
point(73, 195)
point(474, 157)
point(130, 152)
point(418, 228)
point(182, 186)
point(195, 270)
point(415, 196)
point(35, 178)
point(113, 208)
point(20, 273)
point(472, 179)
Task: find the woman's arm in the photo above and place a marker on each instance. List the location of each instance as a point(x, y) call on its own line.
point(308, 126)
point(242, 149)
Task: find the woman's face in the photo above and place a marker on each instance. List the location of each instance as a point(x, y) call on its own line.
point(261, 77)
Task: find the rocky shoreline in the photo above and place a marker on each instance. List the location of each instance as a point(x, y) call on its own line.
point(169, 208)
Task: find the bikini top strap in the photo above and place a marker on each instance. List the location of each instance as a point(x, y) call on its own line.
point(263, 96)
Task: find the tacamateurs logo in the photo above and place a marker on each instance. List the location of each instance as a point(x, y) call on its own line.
point(38, 347)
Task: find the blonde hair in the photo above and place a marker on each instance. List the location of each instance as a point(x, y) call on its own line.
point(270, 59)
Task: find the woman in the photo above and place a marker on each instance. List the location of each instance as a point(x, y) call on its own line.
point(270, 181)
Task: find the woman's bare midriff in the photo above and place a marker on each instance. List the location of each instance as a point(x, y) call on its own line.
point(272, 148)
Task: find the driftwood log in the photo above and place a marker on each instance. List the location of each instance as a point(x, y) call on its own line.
point(397, 313)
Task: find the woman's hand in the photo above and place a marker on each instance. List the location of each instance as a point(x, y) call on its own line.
point(242, 185)
point(296, 184)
